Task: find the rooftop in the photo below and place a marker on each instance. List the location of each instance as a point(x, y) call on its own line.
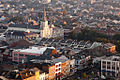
point(113, 58)
point(34, 49)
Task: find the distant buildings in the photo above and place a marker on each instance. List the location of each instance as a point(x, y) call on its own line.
point(27, 74)
point(44, 30)
point(46, 1)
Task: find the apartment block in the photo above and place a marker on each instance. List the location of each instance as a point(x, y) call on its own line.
point(110, 66)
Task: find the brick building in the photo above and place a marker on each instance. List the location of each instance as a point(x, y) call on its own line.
point(21, 55)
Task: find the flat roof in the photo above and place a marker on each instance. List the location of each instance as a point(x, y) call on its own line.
point(33, 49)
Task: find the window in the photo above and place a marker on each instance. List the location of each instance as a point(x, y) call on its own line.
point(56, 66)
point(21, 55)
point(59, 65)
point(108, 63)
point(20, 59)
point(56, 70)
point(104, 67)
point(113, 67)
point(26, 55)
point(117, 68)
point(15, 58)
point(77, 62)
point(15, 54)
point(108, 67)
point(104, 62)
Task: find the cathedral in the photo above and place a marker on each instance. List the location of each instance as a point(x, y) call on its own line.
point(46, 30)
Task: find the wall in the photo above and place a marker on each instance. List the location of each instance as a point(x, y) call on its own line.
point(65, 67)
point(17, 58)
point(42, 76)
point(37, 77)
point(51, 72)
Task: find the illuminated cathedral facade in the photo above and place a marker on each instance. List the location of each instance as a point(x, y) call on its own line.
point(48, 31)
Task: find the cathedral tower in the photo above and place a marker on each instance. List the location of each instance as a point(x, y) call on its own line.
point(46, 31)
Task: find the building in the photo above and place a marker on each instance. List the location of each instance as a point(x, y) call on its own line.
point(46, 31)
point(42, 75)
point(4, 51)
point(22, 55)
point(110, 66)
point(30, 74)
point(59, 69)
point(82, 61)
point(26, 74)
point(110, 48)
point(56, 68)
point(46, 1)
point(17, 35)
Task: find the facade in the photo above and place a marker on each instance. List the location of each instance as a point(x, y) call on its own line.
point(54, 71)
point(26, 74)
point(30, 74)
point(22, 55)
point(82, 63)
point(110, 47)
point(56, 68)
point(110, 66)
point(42, 76)
point(17, 35)
point(59, 70)
point(46, 31)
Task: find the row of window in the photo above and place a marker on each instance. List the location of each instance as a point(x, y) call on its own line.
point(58, 65)
point(18, 54)
point(20, 59)
point(110, 74)
point(109, 67)
point(108, 63)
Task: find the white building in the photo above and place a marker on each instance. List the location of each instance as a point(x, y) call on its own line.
point(110, 66)
point(46, 1)
point(42, 76)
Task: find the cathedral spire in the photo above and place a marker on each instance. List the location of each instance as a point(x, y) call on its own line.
point(45, 17)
